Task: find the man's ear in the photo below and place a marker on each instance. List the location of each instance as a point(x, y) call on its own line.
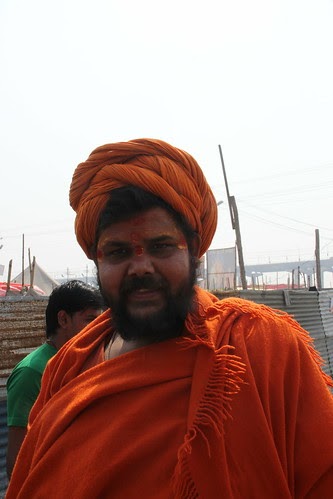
point(62, 318)
point(195, 245)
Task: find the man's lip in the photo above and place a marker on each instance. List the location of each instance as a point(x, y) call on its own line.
point(144, 293)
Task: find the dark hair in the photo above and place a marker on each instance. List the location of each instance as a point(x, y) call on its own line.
point(72, 296)
point(124, 202)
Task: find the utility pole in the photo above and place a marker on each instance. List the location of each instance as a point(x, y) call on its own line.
point(32, 273)
point(317, 255)
point(22, 261)
point(9, 275)
point(235, 225)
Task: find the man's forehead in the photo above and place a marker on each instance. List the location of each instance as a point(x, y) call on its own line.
point(134, 234)
point(150, 224)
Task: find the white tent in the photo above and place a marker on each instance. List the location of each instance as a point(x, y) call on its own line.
point(40, 279)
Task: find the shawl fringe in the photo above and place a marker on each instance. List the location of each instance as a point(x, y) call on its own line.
point(224, 381)
point(214, 407)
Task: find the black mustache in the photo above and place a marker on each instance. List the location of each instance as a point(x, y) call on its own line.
point(145, 282)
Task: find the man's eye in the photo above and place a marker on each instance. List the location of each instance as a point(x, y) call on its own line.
point(117, 253)
point(162, 248)
point(162, 245)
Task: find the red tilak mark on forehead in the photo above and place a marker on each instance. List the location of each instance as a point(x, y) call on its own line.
point(135, 237)
point(138, 250)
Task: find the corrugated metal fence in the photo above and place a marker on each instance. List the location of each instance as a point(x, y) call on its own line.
point(22, 330)
point(3, 447)
point(312, 309)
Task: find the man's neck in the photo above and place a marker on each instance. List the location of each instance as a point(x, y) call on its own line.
point(52, 340)
point(118, 346)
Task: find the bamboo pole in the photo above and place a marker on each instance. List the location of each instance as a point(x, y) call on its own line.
point(239, 243)
point(30, 265)
point(317, 254)
point(22, 261)
point(32, 273)
point(235, 225)
point(9, 275)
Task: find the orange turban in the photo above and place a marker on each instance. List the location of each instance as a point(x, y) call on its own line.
point(152, 165)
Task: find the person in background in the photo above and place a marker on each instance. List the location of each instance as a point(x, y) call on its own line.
point(172, 393)
point(71, 306)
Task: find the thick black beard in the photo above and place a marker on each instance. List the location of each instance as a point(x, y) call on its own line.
point(163, 325)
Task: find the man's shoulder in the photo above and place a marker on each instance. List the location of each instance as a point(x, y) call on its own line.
point(249, 314)
point(244, 306)
point(232, 304)
point(22, 379)
point(238, 318)
point(37, 359)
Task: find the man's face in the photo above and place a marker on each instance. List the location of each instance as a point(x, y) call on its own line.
point(146, 275)
point(79, 320)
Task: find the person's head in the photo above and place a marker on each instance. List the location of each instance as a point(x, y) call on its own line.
point(144, 214)
point(146, 258)
point(71, 306)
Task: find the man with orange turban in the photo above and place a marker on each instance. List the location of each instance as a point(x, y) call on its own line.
point(172, 393)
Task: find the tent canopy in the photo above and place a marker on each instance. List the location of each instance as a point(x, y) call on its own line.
point(41, 279)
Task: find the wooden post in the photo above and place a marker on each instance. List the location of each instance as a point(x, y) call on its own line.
point(22, 261)
point(235, 276)
point(9, 276)
point(317, 254)
point(238, 243)
point(32, 273)
point(235, 225)
point(30, 265)
point(227, 188)
point(298, 277)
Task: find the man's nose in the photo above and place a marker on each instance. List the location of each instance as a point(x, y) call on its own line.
point(140, 264)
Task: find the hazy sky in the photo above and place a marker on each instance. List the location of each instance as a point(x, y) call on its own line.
point(254, 76)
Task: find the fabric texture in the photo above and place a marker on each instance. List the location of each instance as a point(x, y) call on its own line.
point(153, 165)
point(23, 384)
point(237, 408)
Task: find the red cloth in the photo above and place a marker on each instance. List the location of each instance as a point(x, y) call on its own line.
point(153, 165)
point(239, 408)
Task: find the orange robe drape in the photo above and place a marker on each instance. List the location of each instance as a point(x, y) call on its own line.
point(238, 408)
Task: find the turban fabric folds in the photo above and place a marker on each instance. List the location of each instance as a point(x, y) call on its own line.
point(152, 165)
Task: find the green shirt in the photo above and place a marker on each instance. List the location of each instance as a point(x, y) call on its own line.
point(23, 385)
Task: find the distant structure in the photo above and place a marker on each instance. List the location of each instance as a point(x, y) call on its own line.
point(40, 279)
point(305, 268)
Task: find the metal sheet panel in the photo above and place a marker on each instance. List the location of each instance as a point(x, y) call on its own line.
point(3, 448)
point(310, 308)
point(326, 311)
point(22, 329)
point(302, 305)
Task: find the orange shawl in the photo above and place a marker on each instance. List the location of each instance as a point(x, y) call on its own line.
point(153, 165)
point(237, 408)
